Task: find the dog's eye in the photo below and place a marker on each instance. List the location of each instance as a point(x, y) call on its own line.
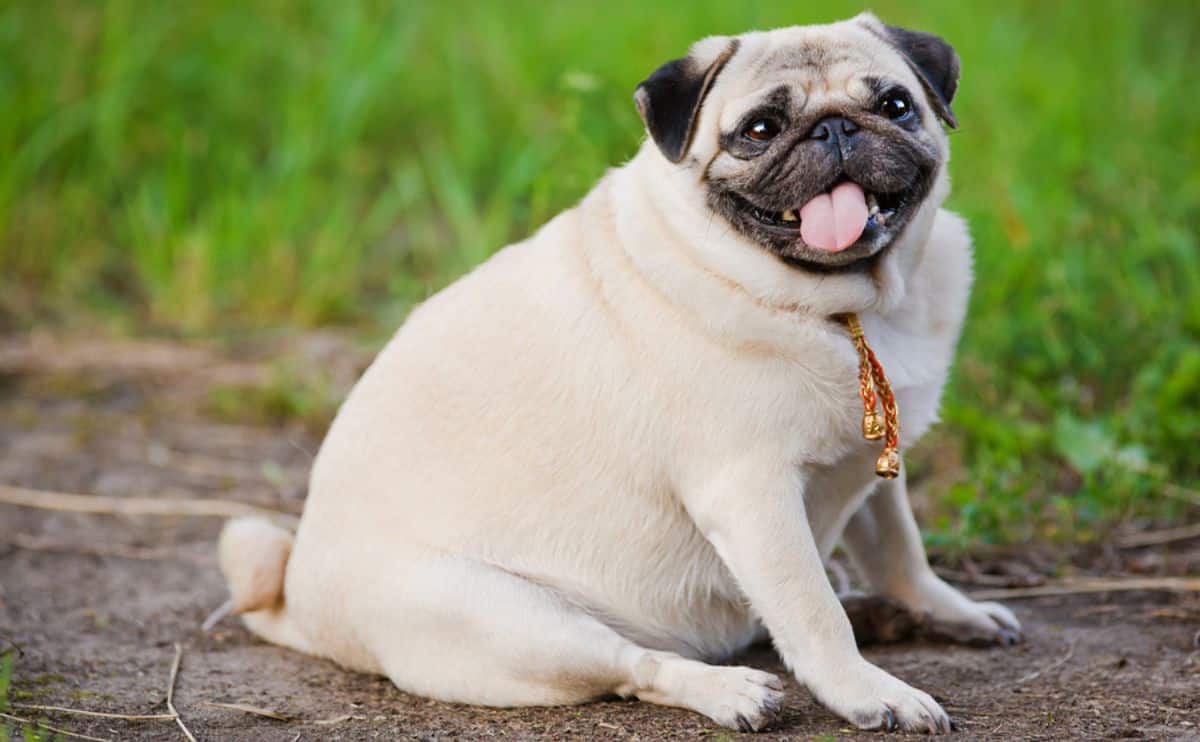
point(763, 130)
point(896, 106)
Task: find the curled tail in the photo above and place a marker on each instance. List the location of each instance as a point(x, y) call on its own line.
point(253, 553)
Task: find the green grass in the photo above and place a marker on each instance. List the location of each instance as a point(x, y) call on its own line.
point(33, 731)
point(200, 167)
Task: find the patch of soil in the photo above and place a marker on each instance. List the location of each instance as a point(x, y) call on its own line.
point(91, 606)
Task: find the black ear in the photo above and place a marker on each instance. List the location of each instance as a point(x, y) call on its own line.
point(935, 63)
point(669, 100)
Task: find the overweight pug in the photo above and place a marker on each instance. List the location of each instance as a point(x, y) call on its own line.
point(616, 453)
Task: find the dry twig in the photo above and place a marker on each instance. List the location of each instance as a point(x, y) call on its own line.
point(100, 714)
point(204, 508)
point(1182, 493)
point(980, 578)
point(47, 727)
point(31, 543)
point(171, 693)
point(1093, 585)
point(213, 618)
point(255, 710)
point(1154, 538)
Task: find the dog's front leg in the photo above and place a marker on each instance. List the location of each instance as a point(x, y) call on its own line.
point(752, 511)
point(884, 543)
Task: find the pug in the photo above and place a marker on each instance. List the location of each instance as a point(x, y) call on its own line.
point(616, 454)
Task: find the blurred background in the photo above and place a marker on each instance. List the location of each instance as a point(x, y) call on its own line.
point(213, 171)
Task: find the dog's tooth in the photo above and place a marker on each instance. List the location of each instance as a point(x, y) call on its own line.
point(789, 216)
point(872, 203)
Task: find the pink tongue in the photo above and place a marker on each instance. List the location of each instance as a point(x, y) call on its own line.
point(834, 221)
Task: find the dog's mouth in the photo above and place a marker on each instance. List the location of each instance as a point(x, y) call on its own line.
point(881, 208)
point(843, 227)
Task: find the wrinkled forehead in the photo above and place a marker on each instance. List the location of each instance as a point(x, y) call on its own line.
point(810, 67)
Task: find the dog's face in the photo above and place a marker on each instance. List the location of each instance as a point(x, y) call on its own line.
point(819, 143)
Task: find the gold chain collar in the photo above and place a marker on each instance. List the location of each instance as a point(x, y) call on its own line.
point(875, 391)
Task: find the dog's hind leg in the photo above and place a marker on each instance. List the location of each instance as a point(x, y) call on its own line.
point(277, 627)
point(460, 630)
point(883, 541)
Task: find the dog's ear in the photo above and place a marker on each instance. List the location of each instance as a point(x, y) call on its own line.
point(669, 100)
point(935, 63)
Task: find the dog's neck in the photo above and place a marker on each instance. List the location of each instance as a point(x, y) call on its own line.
point(703, 265)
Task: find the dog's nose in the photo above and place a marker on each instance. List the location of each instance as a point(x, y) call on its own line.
point(836, 133)
point(833, 127)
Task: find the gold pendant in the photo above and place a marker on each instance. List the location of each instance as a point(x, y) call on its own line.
point(872, 426)
point(888, 464)
point(875, 390)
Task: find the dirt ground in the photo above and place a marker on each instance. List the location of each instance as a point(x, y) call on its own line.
point(92, 605)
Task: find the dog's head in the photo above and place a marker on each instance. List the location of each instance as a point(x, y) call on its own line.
point(821, 144)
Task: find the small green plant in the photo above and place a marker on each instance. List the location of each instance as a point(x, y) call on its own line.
point(30, 732)
point(6, 665)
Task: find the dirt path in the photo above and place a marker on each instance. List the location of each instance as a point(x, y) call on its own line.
point(92, 605)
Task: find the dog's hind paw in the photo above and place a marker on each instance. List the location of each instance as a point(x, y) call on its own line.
point(952, 616)
point(740, 698)
point(987, 624)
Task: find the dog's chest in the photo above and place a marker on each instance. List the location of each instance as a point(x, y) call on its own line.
point(806, 401)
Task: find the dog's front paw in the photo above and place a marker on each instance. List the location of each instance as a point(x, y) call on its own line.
point(872, 699)
point(952, 616)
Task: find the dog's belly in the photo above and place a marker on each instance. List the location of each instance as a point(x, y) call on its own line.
point(632, 559)
point(649, 574)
